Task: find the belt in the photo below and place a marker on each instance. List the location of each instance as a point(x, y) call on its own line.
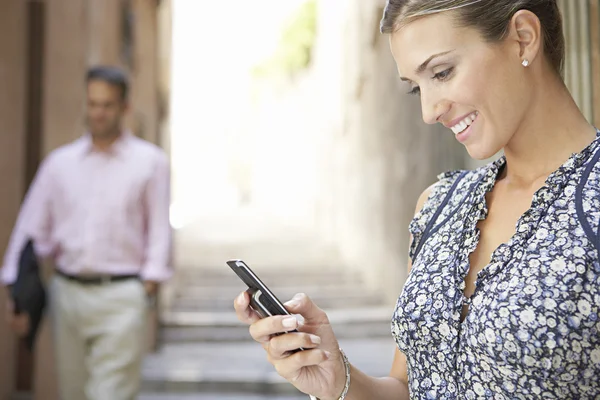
point(96, 280)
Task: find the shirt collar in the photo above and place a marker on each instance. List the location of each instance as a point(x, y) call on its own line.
point(119, 147)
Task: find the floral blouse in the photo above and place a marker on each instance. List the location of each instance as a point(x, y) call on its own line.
point(533, 328)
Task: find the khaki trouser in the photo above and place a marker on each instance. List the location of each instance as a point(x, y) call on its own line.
point(99, 334)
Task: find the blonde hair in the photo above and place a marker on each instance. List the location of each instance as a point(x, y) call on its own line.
point(490, 17)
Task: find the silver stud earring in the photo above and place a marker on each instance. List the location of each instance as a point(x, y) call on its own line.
point(525, 63)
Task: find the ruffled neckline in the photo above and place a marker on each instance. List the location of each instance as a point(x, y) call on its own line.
point(527, 223)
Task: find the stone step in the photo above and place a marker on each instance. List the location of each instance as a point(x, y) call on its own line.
point(242, 368)
point(188, 327)
point(207, 334)
point(265, 254)
point(283, 290)
point(314, 275)
point(194, 395)
point(219, 396)
point(228, 318)
point(206, 301)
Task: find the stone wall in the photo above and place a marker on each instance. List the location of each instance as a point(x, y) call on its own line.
point(83, 33)
point(12, 133)
point(41, 108)
point(380, 155)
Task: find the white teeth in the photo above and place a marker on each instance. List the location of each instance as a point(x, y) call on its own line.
point(462, 125)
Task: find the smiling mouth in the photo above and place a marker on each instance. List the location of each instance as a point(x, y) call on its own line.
point(465, 123)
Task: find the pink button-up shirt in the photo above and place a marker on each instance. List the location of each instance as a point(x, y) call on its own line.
point(98, 212)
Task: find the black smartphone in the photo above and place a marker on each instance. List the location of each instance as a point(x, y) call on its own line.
point(262, 300)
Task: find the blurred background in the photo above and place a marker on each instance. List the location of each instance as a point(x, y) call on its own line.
point(292, 146)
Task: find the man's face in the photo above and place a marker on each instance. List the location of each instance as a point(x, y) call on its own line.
point(105, 108)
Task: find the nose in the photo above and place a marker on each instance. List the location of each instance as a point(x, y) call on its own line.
point(433, 108)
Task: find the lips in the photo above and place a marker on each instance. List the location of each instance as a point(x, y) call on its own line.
point(459, 126)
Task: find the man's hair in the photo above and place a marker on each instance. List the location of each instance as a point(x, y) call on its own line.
point(111, 75)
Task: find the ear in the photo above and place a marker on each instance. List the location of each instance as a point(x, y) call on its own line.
point(525, 28)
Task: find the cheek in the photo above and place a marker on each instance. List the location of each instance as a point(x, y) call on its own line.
point(469, 92)
point(500, 94)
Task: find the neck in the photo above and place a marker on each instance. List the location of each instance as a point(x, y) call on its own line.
point(104, 142)
point(554, 129)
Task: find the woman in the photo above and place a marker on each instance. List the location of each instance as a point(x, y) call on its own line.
point(503, 296)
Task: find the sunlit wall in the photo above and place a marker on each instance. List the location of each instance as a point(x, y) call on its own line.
point(227, 147)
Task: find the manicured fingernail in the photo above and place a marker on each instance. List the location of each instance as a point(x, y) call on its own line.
point(291, 303)
point(289, 322)
point(295, 301)
point(315, 339)
point(240, 298)
point(327, 355)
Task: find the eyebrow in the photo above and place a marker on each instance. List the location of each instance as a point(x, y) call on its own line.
point(423, 66)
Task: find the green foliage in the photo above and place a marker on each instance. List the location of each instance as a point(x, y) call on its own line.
point(294, 51)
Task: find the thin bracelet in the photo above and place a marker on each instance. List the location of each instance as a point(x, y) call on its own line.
point(347, 385)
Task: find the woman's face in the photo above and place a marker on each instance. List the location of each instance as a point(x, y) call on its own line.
point(476, 89)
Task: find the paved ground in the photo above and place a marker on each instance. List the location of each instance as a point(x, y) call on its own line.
point(229, 366)
point(217, 396)
point(237, 368)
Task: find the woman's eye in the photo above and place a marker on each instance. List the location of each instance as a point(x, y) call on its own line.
point(441, 76)
point(415, 91)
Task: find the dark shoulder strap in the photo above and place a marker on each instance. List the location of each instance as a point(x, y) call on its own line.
point(592, 236)
point(429, 229)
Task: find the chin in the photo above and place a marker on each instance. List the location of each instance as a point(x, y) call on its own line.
point(481, 152)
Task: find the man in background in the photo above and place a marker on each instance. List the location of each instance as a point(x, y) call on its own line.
point(99, 206)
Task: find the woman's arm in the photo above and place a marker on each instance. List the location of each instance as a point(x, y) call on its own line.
point(395, 386)
point(319, 369)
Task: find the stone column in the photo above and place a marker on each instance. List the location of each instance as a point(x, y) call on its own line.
point(595, 49)
point(145, 98)
point(164, 36)
point(381, 154)
point(66, 63)
point(66, 45)
point(105, 32)
point(164, 32)
point(144, 71)
point(12, 151)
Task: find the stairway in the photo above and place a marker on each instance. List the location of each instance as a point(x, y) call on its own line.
point(205, 349)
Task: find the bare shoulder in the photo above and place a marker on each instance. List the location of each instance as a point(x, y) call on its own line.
point(423, 198)
point(445, 183)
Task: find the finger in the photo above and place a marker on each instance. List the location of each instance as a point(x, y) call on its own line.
point(264, 329)
point(280, 346)
point(243, 311)
point(303, 305)
point(290, 367)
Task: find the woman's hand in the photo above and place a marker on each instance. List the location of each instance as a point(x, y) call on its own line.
point(318, 369)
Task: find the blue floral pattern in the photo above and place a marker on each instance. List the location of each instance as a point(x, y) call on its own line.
point(533, 326)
